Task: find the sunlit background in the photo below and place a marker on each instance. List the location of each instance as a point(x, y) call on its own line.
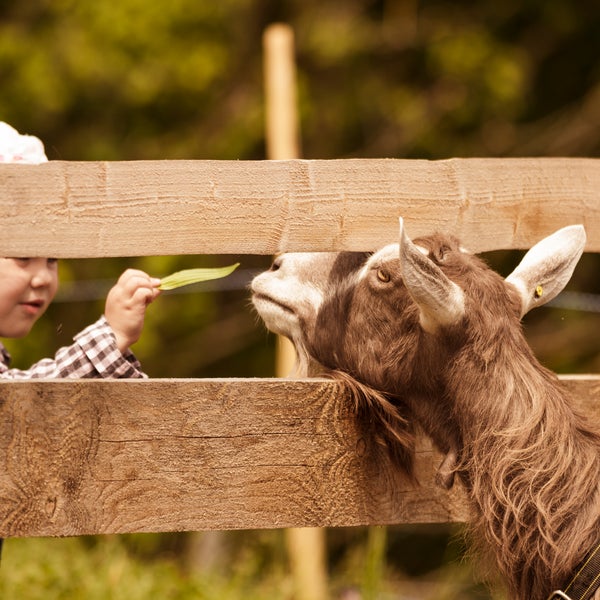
point(183, 79)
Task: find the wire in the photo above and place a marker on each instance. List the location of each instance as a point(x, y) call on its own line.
point(577, 301)
point(97, 289)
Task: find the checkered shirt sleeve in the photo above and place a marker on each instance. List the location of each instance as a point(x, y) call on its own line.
point(93, 355)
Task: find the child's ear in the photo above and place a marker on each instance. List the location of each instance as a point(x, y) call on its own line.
point(548, 266)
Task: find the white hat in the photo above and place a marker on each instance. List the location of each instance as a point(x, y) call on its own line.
point(17, 148)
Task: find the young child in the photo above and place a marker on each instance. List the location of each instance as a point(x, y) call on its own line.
point(28, 285)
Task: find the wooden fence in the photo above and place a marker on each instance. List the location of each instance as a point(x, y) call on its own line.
point(95, 456)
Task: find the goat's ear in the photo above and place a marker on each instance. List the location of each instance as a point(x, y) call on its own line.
point(548, 266)
point(440, 300)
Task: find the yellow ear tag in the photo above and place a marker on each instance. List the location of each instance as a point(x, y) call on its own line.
point(539, 291)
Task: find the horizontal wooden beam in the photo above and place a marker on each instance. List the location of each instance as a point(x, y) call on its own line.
point(94, 456)
point(97, 209)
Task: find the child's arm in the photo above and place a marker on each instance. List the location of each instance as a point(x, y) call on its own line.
point(93, 355)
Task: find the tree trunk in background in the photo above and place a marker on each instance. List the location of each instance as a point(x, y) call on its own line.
point(205, 551)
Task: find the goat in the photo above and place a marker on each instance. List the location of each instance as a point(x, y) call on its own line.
point(436, 330)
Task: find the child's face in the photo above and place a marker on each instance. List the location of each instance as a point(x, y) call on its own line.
point(27, 286)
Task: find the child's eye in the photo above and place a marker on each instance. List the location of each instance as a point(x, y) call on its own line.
point(52, 261)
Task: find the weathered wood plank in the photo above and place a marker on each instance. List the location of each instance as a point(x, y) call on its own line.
point(86, 457)
point(118, 456)
point(96, 209)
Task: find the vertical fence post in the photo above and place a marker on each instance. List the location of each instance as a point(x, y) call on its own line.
point(305, 546)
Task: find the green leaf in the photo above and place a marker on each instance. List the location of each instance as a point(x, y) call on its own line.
point(189, 276)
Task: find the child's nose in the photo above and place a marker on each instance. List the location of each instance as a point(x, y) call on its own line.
point(42, 277)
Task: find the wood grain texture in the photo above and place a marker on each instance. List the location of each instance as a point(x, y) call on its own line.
point(88, 457)
point(96, 209)
point(167, 455)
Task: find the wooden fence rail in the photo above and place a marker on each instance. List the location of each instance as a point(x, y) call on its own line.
point(83, 457)
point(93, 209)
point(86, 457)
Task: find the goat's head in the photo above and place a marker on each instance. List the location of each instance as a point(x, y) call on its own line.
point(289, 298)
point(365, 314)
point(393, 320)
point(289, 295)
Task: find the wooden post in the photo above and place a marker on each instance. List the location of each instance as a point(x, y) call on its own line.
point(281, 115)
point(281, 121)
point(305, 546)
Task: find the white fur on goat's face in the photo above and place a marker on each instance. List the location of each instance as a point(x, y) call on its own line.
point(289, 295)
point(291, 292)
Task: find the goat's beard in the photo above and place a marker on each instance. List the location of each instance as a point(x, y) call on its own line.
point(385, 419)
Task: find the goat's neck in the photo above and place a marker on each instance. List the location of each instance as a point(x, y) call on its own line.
point(425, 393)
point(305, 365)
point(532, 465)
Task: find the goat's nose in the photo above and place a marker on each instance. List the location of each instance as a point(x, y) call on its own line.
point(277, 263)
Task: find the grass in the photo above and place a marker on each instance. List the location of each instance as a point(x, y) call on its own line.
point(379, 563)
point(106, 568)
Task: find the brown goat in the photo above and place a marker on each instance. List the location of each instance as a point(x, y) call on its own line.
point(435, 330)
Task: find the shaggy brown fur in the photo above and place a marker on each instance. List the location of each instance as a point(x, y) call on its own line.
point(530, 462)
point(385, 418)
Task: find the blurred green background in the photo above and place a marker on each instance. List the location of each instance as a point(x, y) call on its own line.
point(134, 79)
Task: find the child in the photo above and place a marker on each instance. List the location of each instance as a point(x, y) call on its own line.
point(28, 285)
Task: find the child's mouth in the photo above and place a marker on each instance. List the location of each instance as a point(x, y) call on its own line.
point(33, 307)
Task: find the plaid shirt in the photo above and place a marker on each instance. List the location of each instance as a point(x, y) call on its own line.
point(94, 354)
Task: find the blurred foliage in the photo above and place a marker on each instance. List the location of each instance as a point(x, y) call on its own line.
point(378, 78)
point(142, 566)
point(130, 567)
point(182, 79)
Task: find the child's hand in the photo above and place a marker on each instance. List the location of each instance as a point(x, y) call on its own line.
point(126, 305)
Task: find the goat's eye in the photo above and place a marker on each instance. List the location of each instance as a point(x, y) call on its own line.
point(276, 264)
point(383, 276)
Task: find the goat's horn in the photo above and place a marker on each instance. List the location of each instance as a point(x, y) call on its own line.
point(440, 300)
point(548, 266)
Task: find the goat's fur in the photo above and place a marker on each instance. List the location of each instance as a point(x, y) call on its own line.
point(529, 460)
